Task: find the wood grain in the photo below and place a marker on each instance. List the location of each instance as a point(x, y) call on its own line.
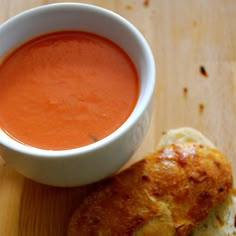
point(184, 35)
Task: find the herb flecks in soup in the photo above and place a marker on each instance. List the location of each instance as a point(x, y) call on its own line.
point(65, 90)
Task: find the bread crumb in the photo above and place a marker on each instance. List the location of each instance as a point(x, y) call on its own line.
point(201, 107)
point(185, 91)
point(128, 7)
point(203, 71)
point(146, 3)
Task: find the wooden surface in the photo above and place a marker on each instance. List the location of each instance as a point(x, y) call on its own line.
point(184, 35)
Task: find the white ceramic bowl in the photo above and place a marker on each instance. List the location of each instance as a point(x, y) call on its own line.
point(96, 161)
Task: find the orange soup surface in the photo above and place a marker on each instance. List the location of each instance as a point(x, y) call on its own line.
point(65, 90)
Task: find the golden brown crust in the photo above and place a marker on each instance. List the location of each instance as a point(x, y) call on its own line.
point(167, 193)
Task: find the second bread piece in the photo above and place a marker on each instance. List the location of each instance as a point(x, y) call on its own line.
point(167, 193)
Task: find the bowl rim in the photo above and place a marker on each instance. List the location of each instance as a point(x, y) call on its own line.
point(130, 121)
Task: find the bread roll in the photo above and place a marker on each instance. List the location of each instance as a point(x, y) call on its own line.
point(166, 193)
point(221, 218)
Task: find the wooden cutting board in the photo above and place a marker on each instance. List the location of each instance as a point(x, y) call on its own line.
point(184, 35)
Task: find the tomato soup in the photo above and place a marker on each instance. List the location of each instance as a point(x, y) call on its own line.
point(65, 90)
